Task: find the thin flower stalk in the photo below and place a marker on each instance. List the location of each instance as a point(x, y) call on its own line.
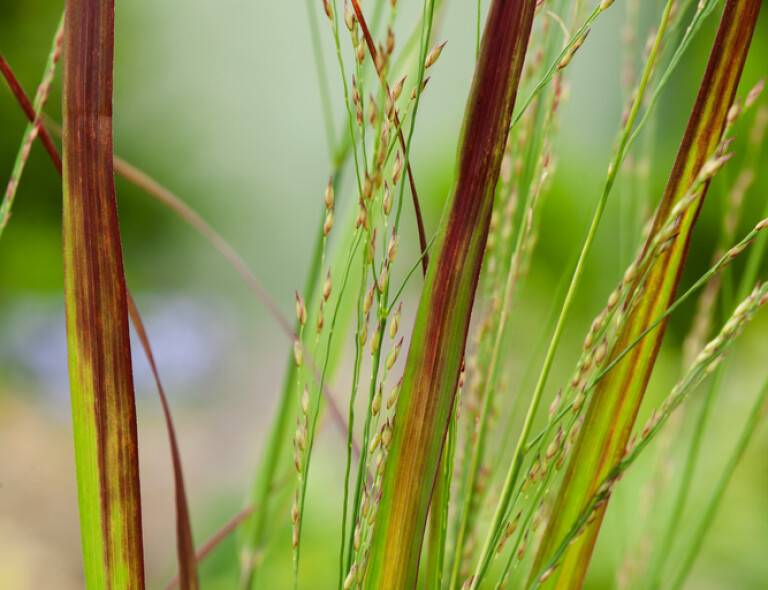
point(33, 127)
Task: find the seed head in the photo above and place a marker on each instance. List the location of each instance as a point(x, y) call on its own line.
point(434, 55)
point(373, 111)
point(754, 94)
point(368, 301)
point(305, 400)
point(397, 169)
point(327, 285)
point(298, 354)
point(328, 223)
point(351, 576)
point(392, 248)
point(376, 402)
point(328, 196)
point(572, 51)
point(712, 167)
point(301, 309)
point(297, 461)
point(578, 402)
point(362, 216)
point(392, 400)
point(423, 87)
point(545, 576)
point(555, 404)
point(349, 16)
point(521, 549)
point(374, 444)
point(383, 279)
point(733, 114)
point(386, 435)
point(300, 437)
point(397, 89)
point(394, 325)
point(360, 53)
point(394, 353)
point(328, 9)
point(387, 201)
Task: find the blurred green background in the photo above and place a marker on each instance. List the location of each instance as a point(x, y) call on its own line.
point(219, 102)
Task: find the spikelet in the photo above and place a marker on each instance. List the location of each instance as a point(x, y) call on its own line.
point(434, 55)
point(301, 309)
point(298, 353)
point(327, 286)
point(393, 354)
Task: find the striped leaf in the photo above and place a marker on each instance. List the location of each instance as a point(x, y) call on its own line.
point(612, 412)
point(439, 335)
point(103, 405)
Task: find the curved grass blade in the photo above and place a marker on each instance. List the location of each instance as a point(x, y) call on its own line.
point(188, 578)
point(434, 360)
point(616, 400)
point(101, 381)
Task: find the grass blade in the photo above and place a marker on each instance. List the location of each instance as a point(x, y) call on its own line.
point(101, 381)
point(33, 127)
point(700, 532)
point(188, 578)
point(185, 546)
point(615, 403)
point(434, 359)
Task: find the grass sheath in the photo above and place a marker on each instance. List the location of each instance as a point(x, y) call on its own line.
point(101, 381)
point(434, 360)
point(613, 409)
